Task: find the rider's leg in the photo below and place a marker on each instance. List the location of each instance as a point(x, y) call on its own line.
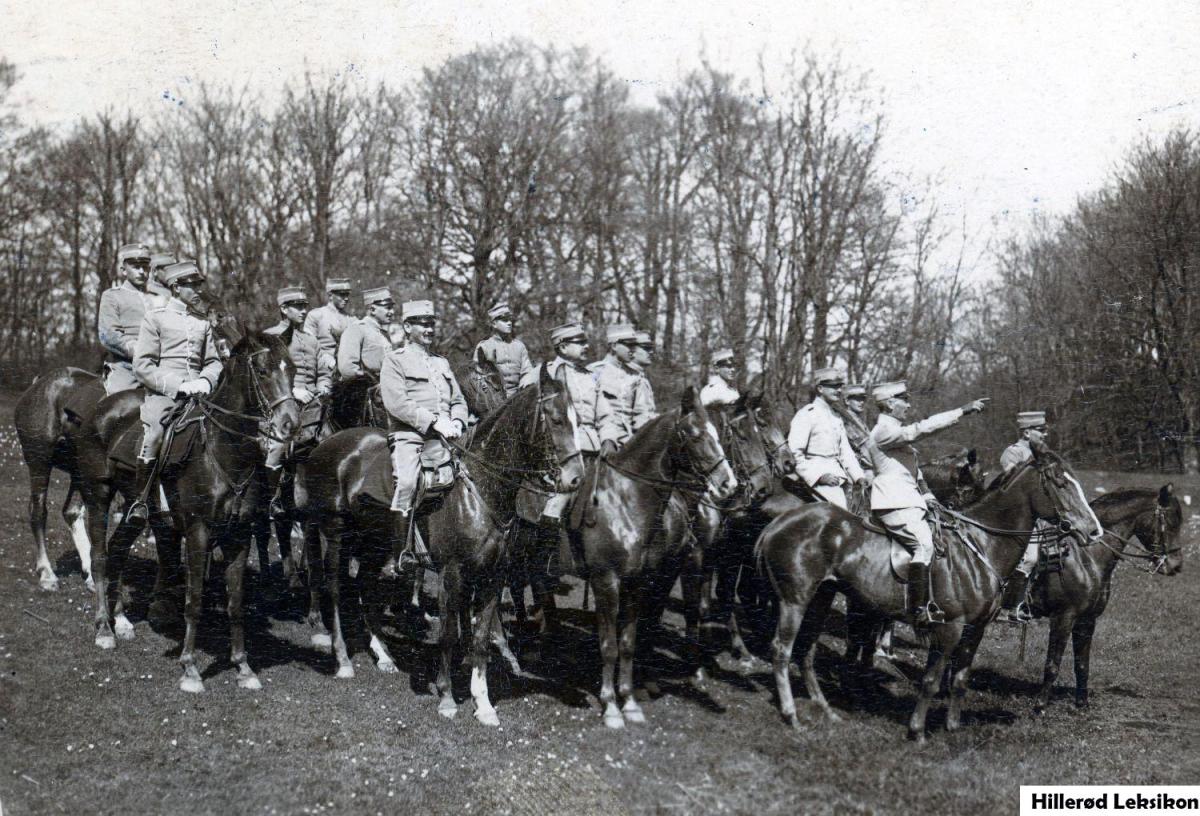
point(1015, 609)
point(153, 409)
point(406, 469)
point(274, 463)
point(909, 524)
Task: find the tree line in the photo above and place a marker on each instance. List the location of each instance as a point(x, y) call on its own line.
point(751, 212)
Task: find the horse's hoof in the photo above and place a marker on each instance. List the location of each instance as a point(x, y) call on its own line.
point(345, 672)
point(700, 677)
point(447, 708)
point(322, 642)
point(50, 583)
point(792, 721)
point(106, 642)
point(123, 628)
point(614, 721)
point(487, 716)
point(250, 683)
point(89, 583)
point(387, 667)
point(917, 737)
point(832, 716)
point(634, 715)
point(192, 685)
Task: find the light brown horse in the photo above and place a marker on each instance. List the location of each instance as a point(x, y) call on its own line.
point(1075, 598)
point(814, 552)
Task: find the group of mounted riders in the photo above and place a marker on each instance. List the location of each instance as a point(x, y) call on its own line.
point(158, 336)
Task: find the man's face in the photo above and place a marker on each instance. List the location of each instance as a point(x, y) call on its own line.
point(830, 392)
point(340, 300)
point(643, 356)
point(898, 406)
point(295, 312)
point(727, 370)
point(136, 270)
point(384, 311)
point(1036, 434)
point(503, 325)
point(623, 350)
point(857, 403)
point(574, 350)
point(190, 291)
point(420, 330)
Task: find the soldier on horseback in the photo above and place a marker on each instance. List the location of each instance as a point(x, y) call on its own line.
point(313, 379)
point(896, 500)
point(423, 402)
point(365, 342)
point(818, 440)
point(720, 388)
point(1032, 425)
point(156, 293)
point(505, 349)
point(643, 356)
point(854, 398)
point(175, 356)
point(620, 382)
point(122, 308)
point(329, 322)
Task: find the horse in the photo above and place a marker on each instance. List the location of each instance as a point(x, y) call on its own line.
point(615, 521)
point(482, 386)
point(1074, 598)
point(531, 435)
point(212, 492)
point(41, 416)
point(814, 552)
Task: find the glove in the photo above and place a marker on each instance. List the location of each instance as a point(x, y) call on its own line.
point(607, 448)
point(863, 483)
point(302, 395)
point(194, 387)
point(829, 480)
point(442, 426)
point(324, 391)
point(975, 407)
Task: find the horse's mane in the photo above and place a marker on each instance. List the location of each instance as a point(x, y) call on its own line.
point(639, 445)
point(486, 424)
point(1107, 501)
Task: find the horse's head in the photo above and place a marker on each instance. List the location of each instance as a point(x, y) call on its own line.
point(1159, 532)
point(957, 480)
point(1061, 497)
point(700, 447)
point(554, 420)
point(483, 387)
point(783, 461)
point(260, 371)
point(746, 450)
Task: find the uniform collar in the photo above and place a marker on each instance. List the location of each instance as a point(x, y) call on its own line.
point(612, 360)
point(563, 361)
point(820, 402)
point(281, 327)
point(413, 348)
point(177, 305)
point(129, 287)
point(369, 320)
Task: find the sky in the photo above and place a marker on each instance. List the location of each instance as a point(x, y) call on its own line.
point(1015, 108)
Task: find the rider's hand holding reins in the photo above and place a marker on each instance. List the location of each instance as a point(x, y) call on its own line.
point(193, 388)
point(302, 395)
point(607, 448)
point(447, 428)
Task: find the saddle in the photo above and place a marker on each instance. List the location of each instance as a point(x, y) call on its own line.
point(181, 436)
point(439, 471)
point(945, 529)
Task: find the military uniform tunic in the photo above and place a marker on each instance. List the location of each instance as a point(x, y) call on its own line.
point(718, 392)
point(818, 441)
point(417, 387)
point(173, 347)
point(1016, 455)
point(362, 349)
point(312, 374)
point(620, 386)
point(860, 439)
point(121, 311)
point(510, 356)
point(327, 324)
point(594, 416)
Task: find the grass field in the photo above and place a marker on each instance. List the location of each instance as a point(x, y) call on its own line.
point(86, 731)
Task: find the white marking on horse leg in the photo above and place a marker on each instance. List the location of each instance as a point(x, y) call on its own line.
point(247, 679)
point(484, 712)
point(123, 627)
point(632, 711)
point(385, 662)
point(191, 682)
point(83, 544)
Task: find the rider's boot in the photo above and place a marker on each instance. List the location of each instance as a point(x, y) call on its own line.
point(402, 519)
point(139, 511)
point(274, 477)
point(1014, 608)
point(922, 610)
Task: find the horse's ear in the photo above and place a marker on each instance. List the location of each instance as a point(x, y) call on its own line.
point(1164, 494)
point(544, 378)
point(286, 335)
point(231, 328)
point(687, 403)
point(479, 358)
point(972, 457)
point(740, 405)
point(755, 400)
point(1039, 448)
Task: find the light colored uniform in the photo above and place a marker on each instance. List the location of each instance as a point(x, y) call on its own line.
point(718, 392)
point(819, 443)
point(121, 311)
point(623, 387)
point(1015, 455)
point(327, 325)
point(595, 419)
point(417, 388)
point(895, 497)
point(173, 347)
point(312, 373)
point(860, 439)
point(511, 357)
point(362, 349)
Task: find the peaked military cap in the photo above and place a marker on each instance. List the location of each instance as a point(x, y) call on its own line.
point(499, 310)
point(338, 285)
point(380, 294)
point(179, 271)
point(160, 259)
point(620, 332)
point(290, 294)
point(414, 309)
point(133, 252)
point(828, 376)
point(644, 340)
point(567, 331)
point(854, 391)
point(888, 390)
point(1031, 419)
point(722, 355)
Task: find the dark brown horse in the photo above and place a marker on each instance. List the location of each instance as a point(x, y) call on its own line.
point(43, 412)
point(482, 386)
point(615, 528)
point(1074, 598)
point(814, 552)
point(212, 492)
point(346, 484)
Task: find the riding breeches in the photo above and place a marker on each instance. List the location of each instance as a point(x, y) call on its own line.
point(832, 494)
point(154, 408)
point(118, 376)
point(1030, 558)
point(908, 524)
point(406, 468)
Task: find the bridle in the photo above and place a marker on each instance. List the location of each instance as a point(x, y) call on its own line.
point(698, 474)
point(264, 406)
point(1157, 554)
point(743, 470)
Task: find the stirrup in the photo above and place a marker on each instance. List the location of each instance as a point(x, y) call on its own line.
point(928, 615)
point(1020, 615)
point(139, 511)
